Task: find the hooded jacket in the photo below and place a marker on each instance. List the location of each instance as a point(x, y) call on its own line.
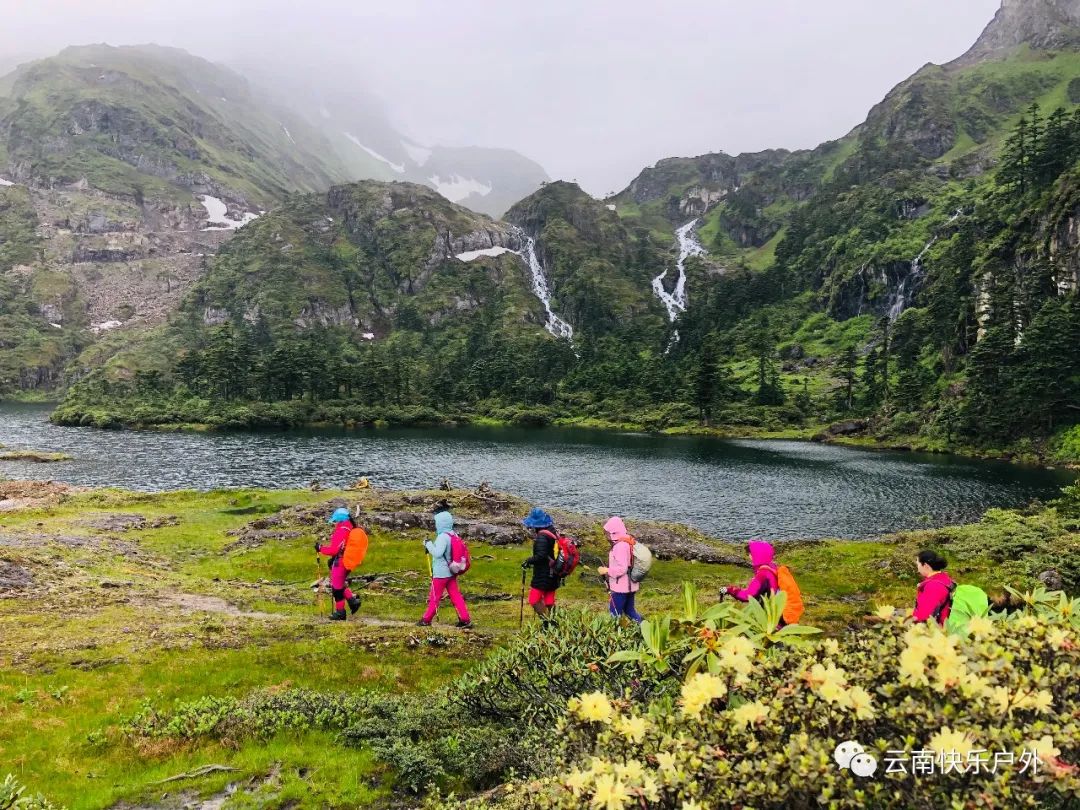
point(337, 539)
point(764, 581)
point(620, 558)
point(931, 593)
point(439, 548)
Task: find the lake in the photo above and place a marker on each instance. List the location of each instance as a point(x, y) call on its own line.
point(730, 488)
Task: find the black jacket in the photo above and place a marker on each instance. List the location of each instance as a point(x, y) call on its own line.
point(543, 555)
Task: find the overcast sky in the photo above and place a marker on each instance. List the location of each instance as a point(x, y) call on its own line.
point(595, 90)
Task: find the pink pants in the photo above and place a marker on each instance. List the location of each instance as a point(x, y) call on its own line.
point(438, 585)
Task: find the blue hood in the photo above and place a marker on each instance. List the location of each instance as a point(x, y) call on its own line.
point(444, 522)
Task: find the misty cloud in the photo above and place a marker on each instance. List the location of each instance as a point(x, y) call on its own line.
point(592, 90)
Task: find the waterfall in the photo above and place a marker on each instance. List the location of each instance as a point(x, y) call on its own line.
point(899, 300)
point(675, 301)
point(555, 325)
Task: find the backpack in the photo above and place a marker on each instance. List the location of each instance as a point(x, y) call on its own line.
point(641, 561)
point(567, 554)
point(356, 545)
point(460, 560)
point(965, 601)
point(793, 608)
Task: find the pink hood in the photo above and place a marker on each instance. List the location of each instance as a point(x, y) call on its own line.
point(761, 553)
point(616, 529)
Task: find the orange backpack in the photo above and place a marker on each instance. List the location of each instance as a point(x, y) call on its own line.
point(355, 549)
point(793, 608)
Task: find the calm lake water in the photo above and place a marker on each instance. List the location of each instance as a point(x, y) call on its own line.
point(733, 489)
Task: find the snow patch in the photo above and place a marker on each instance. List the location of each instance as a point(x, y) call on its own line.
point(456, 188)
point(368, 336)
point(397, 167)
point(610, 207)
point(217, 215)
point(470, 255)
point(419, 154)
point(56, 326)
point(288, 134)
point(105, 326)
point(4, 182)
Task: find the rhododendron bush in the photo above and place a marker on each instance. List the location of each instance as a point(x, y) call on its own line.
point(988, 720)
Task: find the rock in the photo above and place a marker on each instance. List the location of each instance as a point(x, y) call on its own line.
point(848, 427)
point(1051, 580)
point(14, 577)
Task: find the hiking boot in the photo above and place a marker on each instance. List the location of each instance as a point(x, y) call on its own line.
point(354, 604)
point(422, 623)
point(464, 625)
point(338, 615)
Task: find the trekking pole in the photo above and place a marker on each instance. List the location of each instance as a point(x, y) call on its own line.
point(318, 581)
point(521, 612)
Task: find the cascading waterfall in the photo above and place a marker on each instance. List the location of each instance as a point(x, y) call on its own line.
point(555, 325)
point(675, 301)
point(900, 297)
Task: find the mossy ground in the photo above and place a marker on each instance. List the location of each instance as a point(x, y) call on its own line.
point(172, 608)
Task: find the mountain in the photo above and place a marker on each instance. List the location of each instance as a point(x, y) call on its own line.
point(915, 281)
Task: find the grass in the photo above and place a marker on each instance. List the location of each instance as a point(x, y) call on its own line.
point(103, 630)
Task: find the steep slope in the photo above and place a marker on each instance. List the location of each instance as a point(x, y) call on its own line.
point(383, 294)
point(134, 164)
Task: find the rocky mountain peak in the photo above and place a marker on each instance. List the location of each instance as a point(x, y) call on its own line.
point(1041, 24)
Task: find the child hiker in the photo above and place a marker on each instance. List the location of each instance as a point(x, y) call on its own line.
point(442, 579)
point(544, 550)
point(338, 587)
point(620, 560)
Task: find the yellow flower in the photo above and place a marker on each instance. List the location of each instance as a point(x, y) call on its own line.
point(1041, 701)
point(1001, 698)
point(834, 692)
point(949, 674)
point(701, 690)
point(973, 685)
point(632, 771)
point(650, 789)
point(860, 700)
point(1044, 748)
point(599, 767)
point(594, 707)
point(691, 804)
point(632, 728)
point(831, 647)
point(750, 713)
point(665, 761)
point(949, 741)
point(739, 645)
point(609, 794)
point(913, 666)
point(980, 626)
point(1027, 622)
point(577, 781)
point(1057, 637)
point(885, 611)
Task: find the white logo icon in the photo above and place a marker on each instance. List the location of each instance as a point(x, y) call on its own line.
point(851, 755)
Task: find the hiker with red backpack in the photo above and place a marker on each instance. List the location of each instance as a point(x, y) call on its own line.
point(621, 587)
point(445, 568)
point(934, 594)
point(545, 553)
point(767, 580)
point(335, 550)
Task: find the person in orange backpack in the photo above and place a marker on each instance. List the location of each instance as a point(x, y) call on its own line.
point(335, 549)
point(767, 580)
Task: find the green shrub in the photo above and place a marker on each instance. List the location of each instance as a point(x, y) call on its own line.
point(762, 730)
point(12, 797)
point(530, 680)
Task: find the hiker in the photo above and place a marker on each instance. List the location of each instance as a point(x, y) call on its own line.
point(338, 586)
point(442, 579)
point(764, 582)
point(621, 588)
point(544, 582)
point(933, 594)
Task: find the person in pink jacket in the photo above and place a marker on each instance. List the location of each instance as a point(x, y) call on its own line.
point(617, 573)
point(764, 581)
point(339, 587)
point(933, 596)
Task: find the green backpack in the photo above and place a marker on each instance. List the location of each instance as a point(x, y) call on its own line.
point(965, 601)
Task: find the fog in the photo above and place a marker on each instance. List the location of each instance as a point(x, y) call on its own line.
point(593, 89)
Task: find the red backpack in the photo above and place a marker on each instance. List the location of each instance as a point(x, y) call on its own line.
point(567, 554)
point(460, 560)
